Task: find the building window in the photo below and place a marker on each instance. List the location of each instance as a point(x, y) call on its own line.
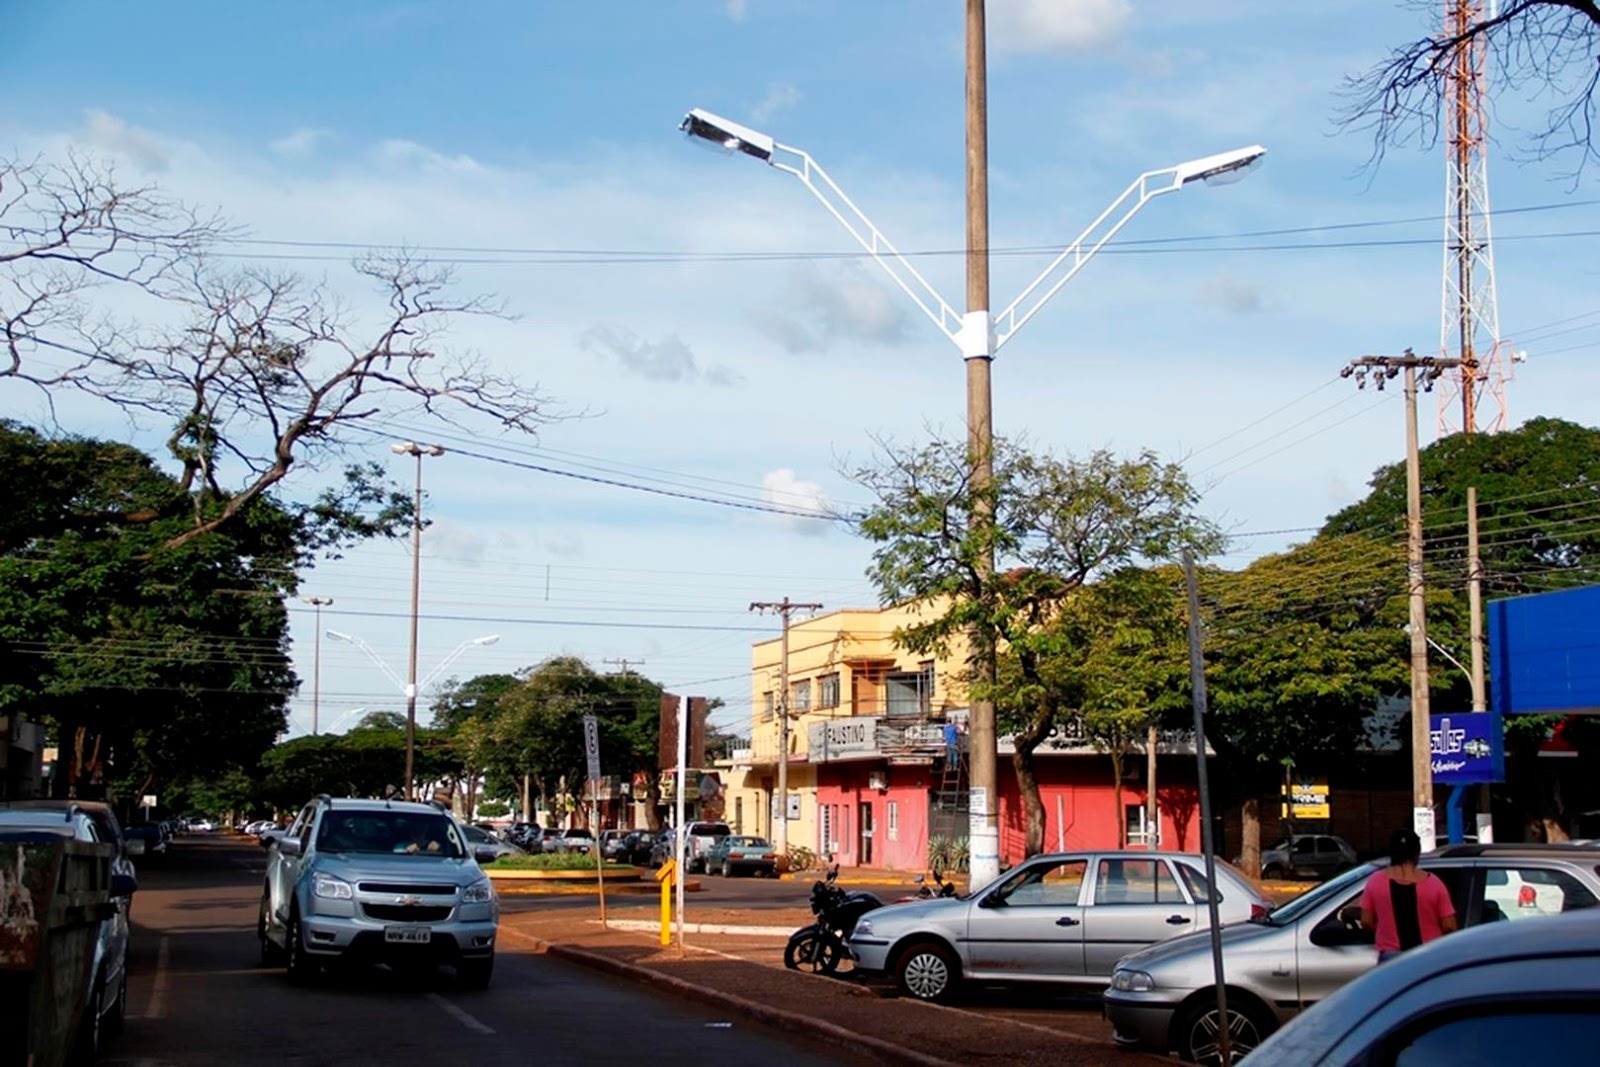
point(825, 829)
point(766, 707)
point(894, 820)
point(1139, 831)
point(800, 697)
point(828, 690)
point(908, 694)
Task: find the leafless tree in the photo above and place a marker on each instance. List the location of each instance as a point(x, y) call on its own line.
point(254, 371)
point(1545, 48)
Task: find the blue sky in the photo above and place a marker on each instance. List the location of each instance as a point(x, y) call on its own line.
point(544, 125)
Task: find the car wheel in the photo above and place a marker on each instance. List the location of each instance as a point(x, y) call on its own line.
point(927, 971)
point(1199, 1033)
point(271, 954)
point(727, 869)
point(299, 966)
point(475, 974)
point(1272, 872)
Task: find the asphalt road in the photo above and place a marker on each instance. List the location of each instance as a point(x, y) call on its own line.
point(197, 995)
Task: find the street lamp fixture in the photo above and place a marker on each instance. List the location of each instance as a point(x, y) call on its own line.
point(978, 333)
point(317, 602)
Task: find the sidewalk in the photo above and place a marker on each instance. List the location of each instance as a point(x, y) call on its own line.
point(740, 968)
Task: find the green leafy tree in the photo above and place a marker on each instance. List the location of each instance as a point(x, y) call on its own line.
point(1057, 524)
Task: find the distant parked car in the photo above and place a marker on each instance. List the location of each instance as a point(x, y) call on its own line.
point(662, 848)
point(611, 843)
point(701, 836)
point(146, 838)
point(637, 846)
point(1318, 856)
point(578, 839)
point(479, 838)
point(738, 853)
point(202, 826)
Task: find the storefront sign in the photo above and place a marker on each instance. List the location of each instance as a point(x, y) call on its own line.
point(1468, 748)
point(840, 738)
point(1308, 798)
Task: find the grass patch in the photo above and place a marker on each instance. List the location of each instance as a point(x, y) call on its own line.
point(551, 861)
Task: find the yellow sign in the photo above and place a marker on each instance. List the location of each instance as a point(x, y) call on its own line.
point(1307, 798)
point(665, 872)
point(665, 876)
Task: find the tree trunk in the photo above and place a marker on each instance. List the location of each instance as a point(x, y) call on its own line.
point(652, 803)
point(1116, 796)
point(1250, 835)
point(527, 798)
point(1032, 804)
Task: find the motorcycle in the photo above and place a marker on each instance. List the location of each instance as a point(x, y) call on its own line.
point(938, 890)
point(820, 947)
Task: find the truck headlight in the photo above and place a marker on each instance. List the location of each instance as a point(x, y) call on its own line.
point(478, 893)
point(1132, 982)
point(328, 887)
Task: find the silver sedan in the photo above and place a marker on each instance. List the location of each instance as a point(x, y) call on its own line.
point(1063, 917)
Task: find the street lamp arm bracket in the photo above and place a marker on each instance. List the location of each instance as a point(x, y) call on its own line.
point(869, 237)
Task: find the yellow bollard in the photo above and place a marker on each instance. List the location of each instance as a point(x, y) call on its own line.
point(665, 876)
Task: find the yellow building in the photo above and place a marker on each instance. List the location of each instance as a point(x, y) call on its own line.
point(868, 770)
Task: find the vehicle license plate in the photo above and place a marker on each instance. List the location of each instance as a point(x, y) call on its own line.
point(408, 935)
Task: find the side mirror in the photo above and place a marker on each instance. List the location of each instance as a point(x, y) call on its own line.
point(289, 846)
point(485, 855)
point(993, 900)
point(123, 885)
point(918, 880)
point(1332, 932)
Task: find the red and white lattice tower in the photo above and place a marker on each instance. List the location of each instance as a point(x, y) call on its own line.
point(1473, 397)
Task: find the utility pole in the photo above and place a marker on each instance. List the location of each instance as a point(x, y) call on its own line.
point(780, 820)
point(1383, 368)
point(318, 602)
point(623, 664)
point(411, 448)
point(1480, 698)
point(977, 348)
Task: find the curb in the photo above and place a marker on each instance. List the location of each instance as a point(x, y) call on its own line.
point(590, 889)
point(765, 1013)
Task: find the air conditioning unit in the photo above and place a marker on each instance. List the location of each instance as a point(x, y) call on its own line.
point(878, 780)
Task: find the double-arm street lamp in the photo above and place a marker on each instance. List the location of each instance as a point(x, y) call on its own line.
point(409, 688)
point(317, 602)
point(977, 333)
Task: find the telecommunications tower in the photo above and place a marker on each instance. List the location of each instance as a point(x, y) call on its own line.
point(1473, 397)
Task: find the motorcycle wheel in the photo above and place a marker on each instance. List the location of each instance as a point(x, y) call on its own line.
point(812, 951)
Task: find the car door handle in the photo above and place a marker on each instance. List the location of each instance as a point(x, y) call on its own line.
point(1178, 920)
point(1066, 920)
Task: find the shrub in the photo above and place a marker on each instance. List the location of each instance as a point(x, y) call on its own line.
point(551, 861)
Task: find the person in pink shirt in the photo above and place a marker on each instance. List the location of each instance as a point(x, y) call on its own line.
point(1403, 903)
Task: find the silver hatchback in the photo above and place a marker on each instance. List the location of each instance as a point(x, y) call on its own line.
point(1164, 998)
point(1062, 917)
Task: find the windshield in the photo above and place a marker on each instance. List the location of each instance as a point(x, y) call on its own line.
point(1285, 914)
point(398, 832)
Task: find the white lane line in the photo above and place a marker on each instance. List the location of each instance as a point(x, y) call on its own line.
point(460, 1015)
point(157, 1007)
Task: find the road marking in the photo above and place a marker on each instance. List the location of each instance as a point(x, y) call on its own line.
point(157, 1007)
point(539, 944)
point(461, 1015)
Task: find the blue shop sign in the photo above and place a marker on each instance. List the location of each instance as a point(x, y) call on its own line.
point(1468, 748)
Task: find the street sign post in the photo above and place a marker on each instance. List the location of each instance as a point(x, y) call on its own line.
point(591, 751)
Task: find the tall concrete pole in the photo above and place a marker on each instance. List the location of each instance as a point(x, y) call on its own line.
point(1480, 698)
point(1421, 746)
point(411, 659)
point(978, 350)
point(780, 819)
point(317, 602)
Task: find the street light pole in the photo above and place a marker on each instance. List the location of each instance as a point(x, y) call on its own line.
point(411, 448)
point(318, 602)
point(978, 334)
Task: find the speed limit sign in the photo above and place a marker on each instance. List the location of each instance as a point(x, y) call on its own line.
point(591, 746)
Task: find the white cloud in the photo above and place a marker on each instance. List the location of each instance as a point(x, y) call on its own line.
point(400, 150)
point(738, 9)
point(844, 306)
point(300, 142)
point(116, 137)
point(782, 488)
point(1056, 25)
point(780, 97)
point(668, 360)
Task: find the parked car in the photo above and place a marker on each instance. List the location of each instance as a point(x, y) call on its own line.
point(662, 848)
point(377, 879)
point(201, 826)
point(611, 844)
point(578, 839)
point(637, 848)
point(1283, 962)
point(146, 838)
point(1493, 994)
point(479, 838)
point(1062, 917)
point(1316, 856)
point(737, 852)
point(701, 836)
point(105, 1003)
